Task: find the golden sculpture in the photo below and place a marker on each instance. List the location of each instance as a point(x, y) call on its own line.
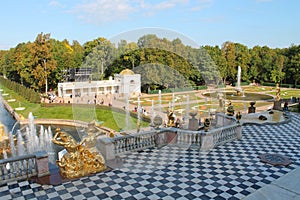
point(238, 116)
point(81, 159)
point(230, 110)
point(4, 140)
point(171, 119)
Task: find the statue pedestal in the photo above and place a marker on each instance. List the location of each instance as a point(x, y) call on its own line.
point(193, 124)
point(251, 109)
point(42, 163)
point(277, 105)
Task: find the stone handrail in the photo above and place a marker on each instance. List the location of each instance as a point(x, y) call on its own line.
point(226, 134)
point(18, 168)
point(112, 147)
point(220, 136)
point(189, 137)
point(134, 142)
point(24, 167)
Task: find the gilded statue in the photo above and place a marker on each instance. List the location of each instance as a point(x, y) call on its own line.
point(4, 140)
point(81, 158)
point(171, 119)
point(230, 109)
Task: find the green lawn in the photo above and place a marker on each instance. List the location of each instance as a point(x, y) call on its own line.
point(287, 93)
point(111, 119)
point(165, 98)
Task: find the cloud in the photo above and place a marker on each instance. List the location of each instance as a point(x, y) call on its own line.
point(55, 3)
point(201, 4)
point(104, 11)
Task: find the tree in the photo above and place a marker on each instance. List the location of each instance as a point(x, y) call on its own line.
point(295, 63)
point(220, 61)
point(228, 52)
point(100, 57)
point(242, 57)
point(22, 64)
point(42, 61)
point(277, 74)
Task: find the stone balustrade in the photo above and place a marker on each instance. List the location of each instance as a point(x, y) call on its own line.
point(220, 136)
point(24, 167)
point(189, 137)
point(112, 147)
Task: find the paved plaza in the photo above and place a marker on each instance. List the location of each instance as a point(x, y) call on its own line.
point(230, 171)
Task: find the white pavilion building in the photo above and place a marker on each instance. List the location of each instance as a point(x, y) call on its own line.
point(127, 82)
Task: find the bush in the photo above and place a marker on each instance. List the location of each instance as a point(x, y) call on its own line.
point(29, 94)
point(286, 85)
point(268, 84)
point(201, 87)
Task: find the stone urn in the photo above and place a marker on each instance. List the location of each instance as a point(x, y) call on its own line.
point(252, 109)
point(193, 122)
point(157, 121)
point(193, 113)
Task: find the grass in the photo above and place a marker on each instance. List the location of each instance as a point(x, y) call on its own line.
point(111, 119)
point(165, 98)
point(287, 93)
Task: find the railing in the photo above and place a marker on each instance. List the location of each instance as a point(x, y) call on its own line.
point(133, 142)
point(189, 137)
point(112, 147)
point(18, 168)
point(225, 134)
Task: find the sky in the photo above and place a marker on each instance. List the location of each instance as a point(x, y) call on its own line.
point(274, 23)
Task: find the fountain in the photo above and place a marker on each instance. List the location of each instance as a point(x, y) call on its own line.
point(152, 112)
point(127, 114)
point(277, 103)
point(238, 89)
point(159, 101)
point(187, 110)
point(139, 112)
point(30, 141)
point(173, 101)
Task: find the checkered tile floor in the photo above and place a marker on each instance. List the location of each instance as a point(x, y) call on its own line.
point(230, 171)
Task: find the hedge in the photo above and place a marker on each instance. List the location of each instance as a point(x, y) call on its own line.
point(29, 94)
point(281, 85)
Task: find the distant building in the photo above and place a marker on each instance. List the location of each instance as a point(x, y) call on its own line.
point(77, 74)
point(127, 82)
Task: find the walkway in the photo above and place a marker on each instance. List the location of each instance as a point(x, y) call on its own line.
point(230, 171)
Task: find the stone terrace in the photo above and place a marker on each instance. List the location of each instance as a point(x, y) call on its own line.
point(230, 171)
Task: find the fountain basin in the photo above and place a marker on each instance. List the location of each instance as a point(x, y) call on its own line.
point(272, 117)
point(245, 97)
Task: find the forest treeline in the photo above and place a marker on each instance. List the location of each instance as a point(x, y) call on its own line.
point(163, 63)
